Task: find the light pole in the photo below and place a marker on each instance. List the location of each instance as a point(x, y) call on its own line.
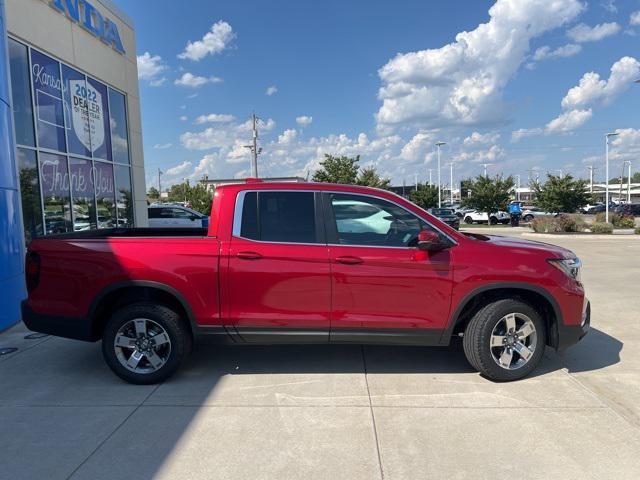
point(591, 169)
point(438, 145)
point(518, 188)
point(628, 162)
point(606, 175)
point(451, 183)
point(430, 172)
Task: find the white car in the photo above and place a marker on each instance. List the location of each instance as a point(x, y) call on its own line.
point(481, 217)
point(176, 216)
point(529, 213)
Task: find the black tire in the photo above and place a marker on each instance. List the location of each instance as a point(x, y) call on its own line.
point(477, 338)
point(493, 220)
point(178, 348)
point(528, 218)
point(468, 220)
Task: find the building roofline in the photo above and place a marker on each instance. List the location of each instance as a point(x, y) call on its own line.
point(118, 12)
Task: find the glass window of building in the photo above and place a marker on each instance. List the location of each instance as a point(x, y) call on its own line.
point(54, 177)
point(118, 122)
point(47, 94)
point(21, 93)
point(30, 191)
point(76, 111)
point(83, 194)
point(124, 197)
point(99, 119)
point(105, 195)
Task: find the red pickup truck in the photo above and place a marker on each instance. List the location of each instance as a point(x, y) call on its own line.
point(305, 263)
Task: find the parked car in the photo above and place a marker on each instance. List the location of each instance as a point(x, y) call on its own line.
point(632, 209)
point(481, 217)
point(529, 213)
point(175, 216)
point(295, 263)
point(589, 207)
point(447, 216)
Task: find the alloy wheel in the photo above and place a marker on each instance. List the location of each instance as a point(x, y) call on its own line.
point(513, 341)
point(142, 345)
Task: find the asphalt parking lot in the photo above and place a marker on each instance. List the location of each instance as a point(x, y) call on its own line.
point(339, 412)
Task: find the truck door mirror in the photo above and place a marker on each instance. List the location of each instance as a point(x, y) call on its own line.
point(428, 240)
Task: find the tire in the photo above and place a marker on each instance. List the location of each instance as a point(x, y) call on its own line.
point(468, 220)
point(149, 361)
point(493, 220)
point(488, 325)
point(528, 218)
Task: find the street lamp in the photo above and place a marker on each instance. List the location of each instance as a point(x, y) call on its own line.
point(628, 162)
point(438, 145)
point(485, 165)
point(518, 188)
point(606, 175)
point(451, 183)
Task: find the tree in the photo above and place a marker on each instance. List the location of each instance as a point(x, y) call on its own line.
point(425, 196)
point(635, 178)
point(369, 178)
point(338, 170)
point(561, 194)
point(153, 193)
point(198, 196)
point(489, 194)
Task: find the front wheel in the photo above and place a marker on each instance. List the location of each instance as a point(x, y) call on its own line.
point(528, 218)
point(505, 340)
point(493, 220)
point(145, 343)
point(468, 220)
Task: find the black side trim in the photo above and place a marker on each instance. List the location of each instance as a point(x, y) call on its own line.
point(388, 336)
point(67, 327)
point(571, 334)
point(279, 335)
point(455, 318)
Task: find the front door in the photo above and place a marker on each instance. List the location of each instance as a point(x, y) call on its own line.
point(384, 288)
point(278, 275)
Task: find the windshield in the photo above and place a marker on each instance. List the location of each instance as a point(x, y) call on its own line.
point(440, 212)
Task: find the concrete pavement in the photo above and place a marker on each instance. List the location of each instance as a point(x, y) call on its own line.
point(338, 411)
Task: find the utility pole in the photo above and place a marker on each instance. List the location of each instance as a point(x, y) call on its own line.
point(430, 171)
point(255, 151)
point(438, 145)
point(518, 188)
point(606, 175)
point(485, 165)
point(160, 172)
point(591, 168)
point(416, 177)
point(629, 182)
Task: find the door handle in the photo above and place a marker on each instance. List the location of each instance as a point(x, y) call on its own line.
point(249, 255)
point(349, 260)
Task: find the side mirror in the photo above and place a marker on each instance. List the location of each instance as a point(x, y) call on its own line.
point(428, 240)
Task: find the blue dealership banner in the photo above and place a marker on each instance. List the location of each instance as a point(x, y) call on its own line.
point(47, 93)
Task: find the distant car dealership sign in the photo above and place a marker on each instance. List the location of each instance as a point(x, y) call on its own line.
point(89, 18)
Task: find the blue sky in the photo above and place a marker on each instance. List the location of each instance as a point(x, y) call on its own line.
point(516, 83)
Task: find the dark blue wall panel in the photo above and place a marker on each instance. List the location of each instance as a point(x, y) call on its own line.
point(11, 237)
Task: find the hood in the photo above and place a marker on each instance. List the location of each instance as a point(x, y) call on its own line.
point(523, 244)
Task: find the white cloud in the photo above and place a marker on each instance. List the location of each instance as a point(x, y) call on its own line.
point(492, 154)
point(215, 118)
point(304, 120)
point(272, 90)
point(194, 81)
point(150, 67)
point(609, 6)
point(521, 133)
point(634, 19)
point(584, 33)
point(569, 121)
point(420, 145)
point(287, 137)
point(178, 169)
point(544, 53)
point(162, 146)
point(477, 137)
point(592, 90)
point(223, 135)
point(183, 118)
point(626, 146)
point(462, 82)
point(213, 42)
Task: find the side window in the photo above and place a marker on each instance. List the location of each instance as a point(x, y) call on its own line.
point(287, 217)
point(154, 212)
point(369, 221)
point(179, 213)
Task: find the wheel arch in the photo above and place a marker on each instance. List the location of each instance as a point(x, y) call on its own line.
point(538, 297)
point(125, 293)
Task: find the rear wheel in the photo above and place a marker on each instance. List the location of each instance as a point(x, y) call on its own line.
point(468, 220)
point(493, 220)
point(145, 343)
point(505, 340)
point(528, 218)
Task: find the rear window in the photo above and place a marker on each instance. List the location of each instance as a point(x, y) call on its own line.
point(287, 217)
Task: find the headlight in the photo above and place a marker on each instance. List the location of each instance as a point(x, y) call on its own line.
point(568, 266)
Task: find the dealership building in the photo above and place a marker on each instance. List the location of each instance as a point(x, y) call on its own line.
point(71, 137)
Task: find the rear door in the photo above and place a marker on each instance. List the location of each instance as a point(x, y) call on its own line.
point(278, 276)
point(383, 287)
